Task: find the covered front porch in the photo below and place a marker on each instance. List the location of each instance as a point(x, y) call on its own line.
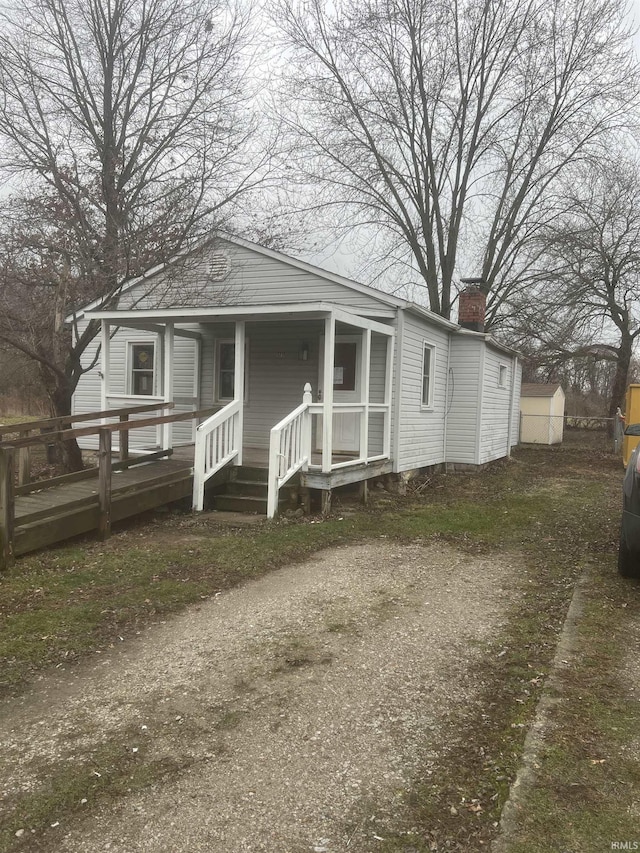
point(300, 388)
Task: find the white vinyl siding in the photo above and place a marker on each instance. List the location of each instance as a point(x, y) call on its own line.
point(88, 393)
point(88, 396)
point(186, 383)
point(278, 376)
point(464, 399)
point(376, 392)
point(253, 279)
point(496, 401)
point(481, 402)
point(421, 431)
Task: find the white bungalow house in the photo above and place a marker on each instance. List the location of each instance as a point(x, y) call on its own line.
point(313, 373)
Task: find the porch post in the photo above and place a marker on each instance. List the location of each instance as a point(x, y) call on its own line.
point(388, 393)
point(238, 385)
point(167, 380)
point(7, 507)
point(105, 361)
point(365, 370)
point(327, 380)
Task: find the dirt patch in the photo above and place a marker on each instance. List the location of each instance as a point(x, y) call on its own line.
point(294, 711)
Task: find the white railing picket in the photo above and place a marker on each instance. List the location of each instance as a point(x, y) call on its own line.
point(217, 443)
point(288, 451)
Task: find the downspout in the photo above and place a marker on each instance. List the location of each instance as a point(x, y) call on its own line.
point(480, 401)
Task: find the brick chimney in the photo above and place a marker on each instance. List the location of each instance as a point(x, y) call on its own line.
point(472, 305)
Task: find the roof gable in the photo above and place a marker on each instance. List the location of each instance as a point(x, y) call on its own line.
point(217, 243)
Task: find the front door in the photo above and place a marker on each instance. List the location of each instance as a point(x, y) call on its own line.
point(346, 389)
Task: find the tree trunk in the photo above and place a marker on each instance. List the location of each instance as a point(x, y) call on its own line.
point(67, 453)
point(620, 379)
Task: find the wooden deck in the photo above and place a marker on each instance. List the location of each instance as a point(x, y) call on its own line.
point(36, 514)
point(43, 518)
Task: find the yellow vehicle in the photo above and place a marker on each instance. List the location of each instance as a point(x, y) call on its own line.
point(631, 419)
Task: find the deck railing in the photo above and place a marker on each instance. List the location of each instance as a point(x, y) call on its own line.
point(289, 449)
point(218, 442)
point(364, 412)
point(56, 430)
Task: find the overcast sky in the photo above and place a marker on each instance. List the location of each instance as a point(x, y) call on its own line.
point(635, 7)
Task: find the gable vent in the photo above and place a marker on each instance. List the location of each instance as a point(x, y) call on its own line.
point(218, 266)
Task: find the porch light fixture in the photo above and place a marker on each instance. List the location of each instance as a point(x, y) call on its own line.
point(303, 352)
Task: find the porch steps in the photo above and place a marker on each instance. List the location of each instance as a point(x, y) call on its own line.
point(247, 492)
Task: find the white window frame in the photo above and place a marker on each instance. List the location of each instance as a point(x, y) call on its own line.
point(430, 348)
point(503, 375)
point(216, 377)
point(130, 369)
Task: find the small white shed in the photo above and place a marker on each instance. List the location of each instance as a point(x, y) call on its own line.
point(541, 413)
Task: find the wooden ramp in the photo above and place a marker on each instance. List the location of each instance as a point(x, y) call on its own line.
point(36, 514)
point(58, 513)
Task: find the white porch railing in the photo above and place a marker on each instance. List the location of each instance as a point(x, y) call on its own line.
point(289, 449)
point(218, 441)
point(364, 412)
point(290, 446)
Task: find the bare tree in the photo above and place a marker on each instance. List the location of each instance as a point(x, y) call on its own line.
point(435, 121)
point(126, 128)
point(585, 307)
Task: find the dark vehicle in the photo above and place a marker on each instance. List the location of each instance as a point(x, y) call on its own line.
point(629, 550)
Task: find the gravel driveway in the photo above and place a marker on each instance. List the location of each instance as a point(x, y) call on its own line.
point(298, 707)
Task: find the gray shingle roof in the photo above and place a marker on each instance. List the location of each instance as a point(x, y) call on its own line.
point(537, 389)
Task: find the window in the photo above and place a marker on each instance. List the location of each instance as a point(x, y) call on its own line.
point(225, 371)
point(344, 366)
point(142, 373)
point(502, 376)
point(428, 367)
